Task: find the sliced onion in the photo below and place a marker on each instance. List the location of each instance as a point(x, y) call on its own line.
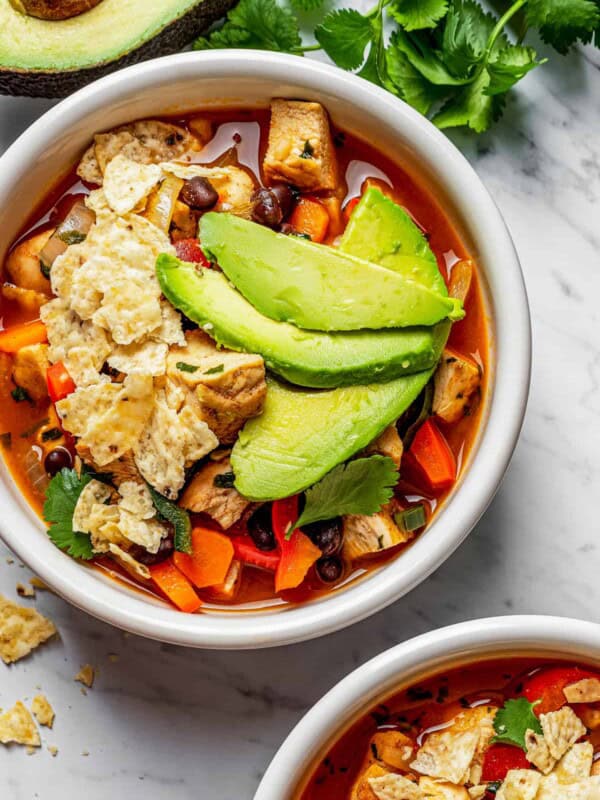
point(72, 230)
point(161, 204)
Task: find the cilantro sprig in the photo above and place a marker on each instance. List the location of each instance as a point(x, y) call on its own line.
point(450, 59)
point(513, 720)
point(361, 486)
point(62, 495)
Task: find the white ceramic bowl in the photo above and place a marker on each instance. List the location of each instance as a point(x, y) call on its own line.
point(191, 80)
point(409, 663)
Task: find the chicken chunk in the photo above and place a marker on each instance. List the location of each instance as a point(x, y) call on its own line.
point(228, 388)
point(364, 535)
point(29, 300)
point(29, 370)
point(455, 381)
point(388, 444)
point(205, 495)
point(300, 150)
point(23, 264)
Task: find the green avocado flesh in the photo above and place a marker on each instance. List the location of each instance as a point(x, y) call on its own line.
point(107, 32)
point(302, 435)
point(382, 232)
point(314, 286)
point(306, 358)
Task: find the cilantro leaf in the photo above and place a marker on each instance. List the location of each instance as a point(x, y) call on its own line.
point(414, 15)
point(426, 60)
point(62, 495)
point(409, 83)
point(509, 66)
point(261, 24)
point(466, 36)
point(471, 106)
point(361, 486)
point(562, 22)
point(513, 721)
point(344, 35)
point(178, 517)
point(307, 5)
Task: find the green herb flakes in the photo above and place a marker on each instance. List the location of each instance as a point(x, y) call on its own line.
point(183, 367)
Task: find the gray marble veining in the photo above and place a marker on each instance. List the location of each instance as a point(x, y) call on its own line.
point(163, 721)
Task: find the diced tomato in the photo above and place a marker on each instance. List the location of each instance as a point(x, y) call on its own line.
point(18, 336)
point(246, 551)
point(430, 458)
point(190, 250)
point(548, 684)
point(349, 208)
point(175, 586)
point(298, 553)
point(60, 383)
point(499, 759)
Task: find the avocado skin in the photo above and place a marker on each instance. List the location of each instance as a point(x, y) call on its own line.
point(302, 435)
point(316, 287)
point(171, 39)
point(305, 358)
point(381, 231)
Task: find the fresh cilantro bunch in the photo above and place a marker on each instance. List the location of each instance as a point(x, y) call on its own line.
point(450, 59)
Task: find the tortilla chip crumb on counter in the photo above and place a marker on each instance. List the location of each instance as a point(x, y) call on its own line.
point(17, 725)
point(38, 583)
point(53, 750)
point(42, 710)
point(25, 591)
point(86, 675)
point(21, 630)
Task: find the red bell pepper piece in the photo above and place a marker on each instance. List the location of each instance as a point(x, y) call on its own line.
point(298, 553)
point(499, 759)
point(548, 684)
point(349, 208)
point(190, 250)
point(246, 551)
point(60, 383)
point(431, 457)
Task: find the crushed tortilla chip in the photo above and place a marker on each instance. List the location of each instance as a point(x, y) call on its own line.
point(128, 183)
point(395, 787)
point(86, 675)
point(53, 750)
point(42, 710)
point(575, 764)
point(561, 729)
point(448, 754)
point(17, 726)
point(584, 691)
point(537, 752)
point(38, 583)
point(25, 591)
point(21, 630)
point(519, 784)
point(135, 568)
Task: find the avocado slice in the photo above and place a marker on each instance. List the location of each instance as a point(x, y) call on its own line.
point(302, 434)
point(50, 58)
point(306, 358)
point(381, 231)
point(314, 286)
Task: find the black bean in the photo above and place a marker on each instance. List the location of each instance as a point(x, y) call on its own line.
point(58, 459)
point(272, 204)
point(327, 535)
point(199, 193)
point(329, 569)
point(165, 549)
point(260, 528)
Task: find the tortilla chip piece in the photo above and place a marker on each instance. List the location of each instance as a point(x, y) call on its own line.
point(86, 675)
point(21, 630)
point(395, 787)
point(136, 498)
point(25, 591)
point(42, 710)
point(135, 568)
point(89, 169)
point(537, 752)
point(128, 183)
point(148, 533)
point(448, 754)
point(433, 789)
point(144, 358)
point(584, 691)
point(561, 729)
point(551, 789)
point(477, 792)
point(17, 726)
point(575, 764)
point(93, 493)
point(519, 784)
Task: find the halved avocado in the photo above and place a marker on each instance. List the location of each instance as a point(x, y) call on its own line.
point(52, 58)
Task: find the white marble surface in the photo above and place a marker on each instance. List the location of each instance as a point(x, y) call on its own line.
point(161, 720)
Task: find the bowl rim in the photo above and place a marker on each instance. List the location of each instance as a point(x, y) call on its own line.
point(561, 637)
point(498, 436)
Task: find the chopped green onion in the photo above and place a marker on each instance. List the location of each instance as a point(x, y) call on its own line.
point(214, 370)
point(412, 519)
point(183, 367)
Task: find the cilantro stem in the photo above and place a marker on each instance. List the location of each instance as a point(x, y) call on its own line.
point(308, 48)
point(499, 27)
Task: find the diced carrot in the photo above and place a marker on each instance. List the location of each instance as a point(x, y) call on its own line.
point(211, 557)
point(298, 553)
point(18, 336)
point(349, 208)
point(310, 217)
point(175, 586)
point(60, 383)
point(432, 456)
point(248, 553)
